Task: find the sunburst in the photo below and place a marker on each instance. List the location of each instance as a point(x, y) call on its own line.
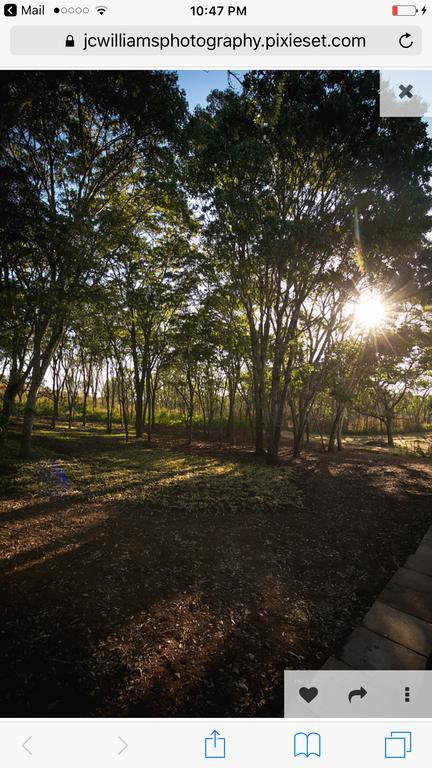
point(370, 312)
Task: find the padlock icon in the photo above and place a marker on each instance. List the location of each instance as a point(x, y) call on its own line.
point(70, 42)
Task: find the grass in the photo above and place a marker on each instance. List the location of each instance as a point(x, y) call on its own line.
point(418, 445)
point(91, 465)
point(164, 580)
point(404, 444)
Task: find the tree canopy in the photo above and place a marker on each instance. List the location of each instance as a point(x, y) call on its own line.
point(213, 264)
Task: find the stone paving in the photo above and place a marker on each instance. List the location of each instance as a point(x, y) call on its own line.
point(397, 631)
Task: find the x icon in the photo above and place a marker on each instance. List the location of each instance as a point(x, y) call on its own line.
point(405, 90)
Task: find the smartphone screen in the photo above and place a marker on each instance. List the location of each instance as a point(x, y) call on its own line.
point(215, 384)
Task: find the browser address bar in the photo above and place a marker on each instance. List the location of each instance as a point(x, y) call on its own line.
point(196, 41)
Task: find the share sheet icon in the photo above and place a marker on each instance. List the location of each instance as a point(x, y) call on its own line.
point(215, 746)
point(357, 693)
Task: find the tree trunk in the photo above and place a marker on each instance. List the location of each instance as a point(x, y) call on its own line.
point(149, 399)
point(191, 406)
point(389, 423)
point(139, 385)
point(299, 422)
point(125, 417)
point(108, 401)
point(124, 411)
point(9, 397)
point(259, 419)
point(154, 398)
point(87, 378)
point(29, 414)
point(39, 369)
point(276, 421)
point(122, 396)
point(231, 413)
point(139, 407)
point(204, 416)
point(298, 442)
point(84, 416)
point(221, 408)
point(95, 384)
point(146, 408)
point(113, 389)
point(273, 441)
point(334, 430)
point(55, 413)
point(339, 433)
point(299, 434)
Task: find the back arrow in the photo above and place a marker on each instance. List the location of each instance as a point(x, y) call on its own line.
point(24, 745)
point(125, 745)
point(362, 693)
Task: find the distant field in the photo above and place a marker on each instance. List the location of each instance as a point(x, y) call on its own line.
point(421, 444)
point(416, 444)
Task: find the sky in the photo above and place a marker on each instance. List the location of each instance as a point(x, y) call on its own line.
point(199, 83)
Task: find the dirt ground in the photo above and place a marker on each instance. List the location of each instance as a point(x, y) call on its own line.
point(118, 605)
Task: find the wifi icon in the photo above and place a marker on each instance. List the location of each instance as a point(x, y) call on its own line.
point(101, 9)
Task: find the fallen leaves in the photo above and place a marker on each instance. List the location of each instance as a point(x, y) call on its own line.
point(167, 582)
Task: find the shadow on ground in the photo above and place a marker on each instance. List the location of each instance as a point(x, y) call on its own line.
point(142, 606)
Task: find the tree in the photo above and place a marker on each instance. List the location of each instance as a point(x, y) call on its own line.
point(347, 372)
point(396, 366)
point(283, 167)
point(149, 284)
point(74, 137)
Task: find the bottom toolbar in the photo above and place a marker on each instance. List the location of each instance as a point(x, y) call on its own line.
point(192, 743)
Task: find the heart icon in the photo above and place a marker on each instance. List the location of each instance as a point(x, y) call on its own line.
point(308, 694)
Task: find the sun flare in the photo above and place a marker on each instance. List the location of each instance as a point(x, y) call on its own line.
point(370, 311)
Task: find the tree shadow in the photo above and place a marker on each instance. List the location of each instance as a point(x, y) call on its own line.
point(154, 608)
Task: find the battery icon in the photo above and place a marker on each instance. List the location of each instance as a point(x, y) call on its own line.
point(404, 10)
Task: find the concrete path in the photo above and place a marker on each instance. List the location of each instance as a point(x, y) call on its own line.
point(397, 631)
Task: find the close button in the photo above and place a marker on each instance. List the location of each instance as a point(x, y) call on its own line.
point(406, 91)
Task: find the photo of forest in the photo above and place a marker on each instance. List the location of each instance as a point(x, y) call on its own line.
point(215, 382)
